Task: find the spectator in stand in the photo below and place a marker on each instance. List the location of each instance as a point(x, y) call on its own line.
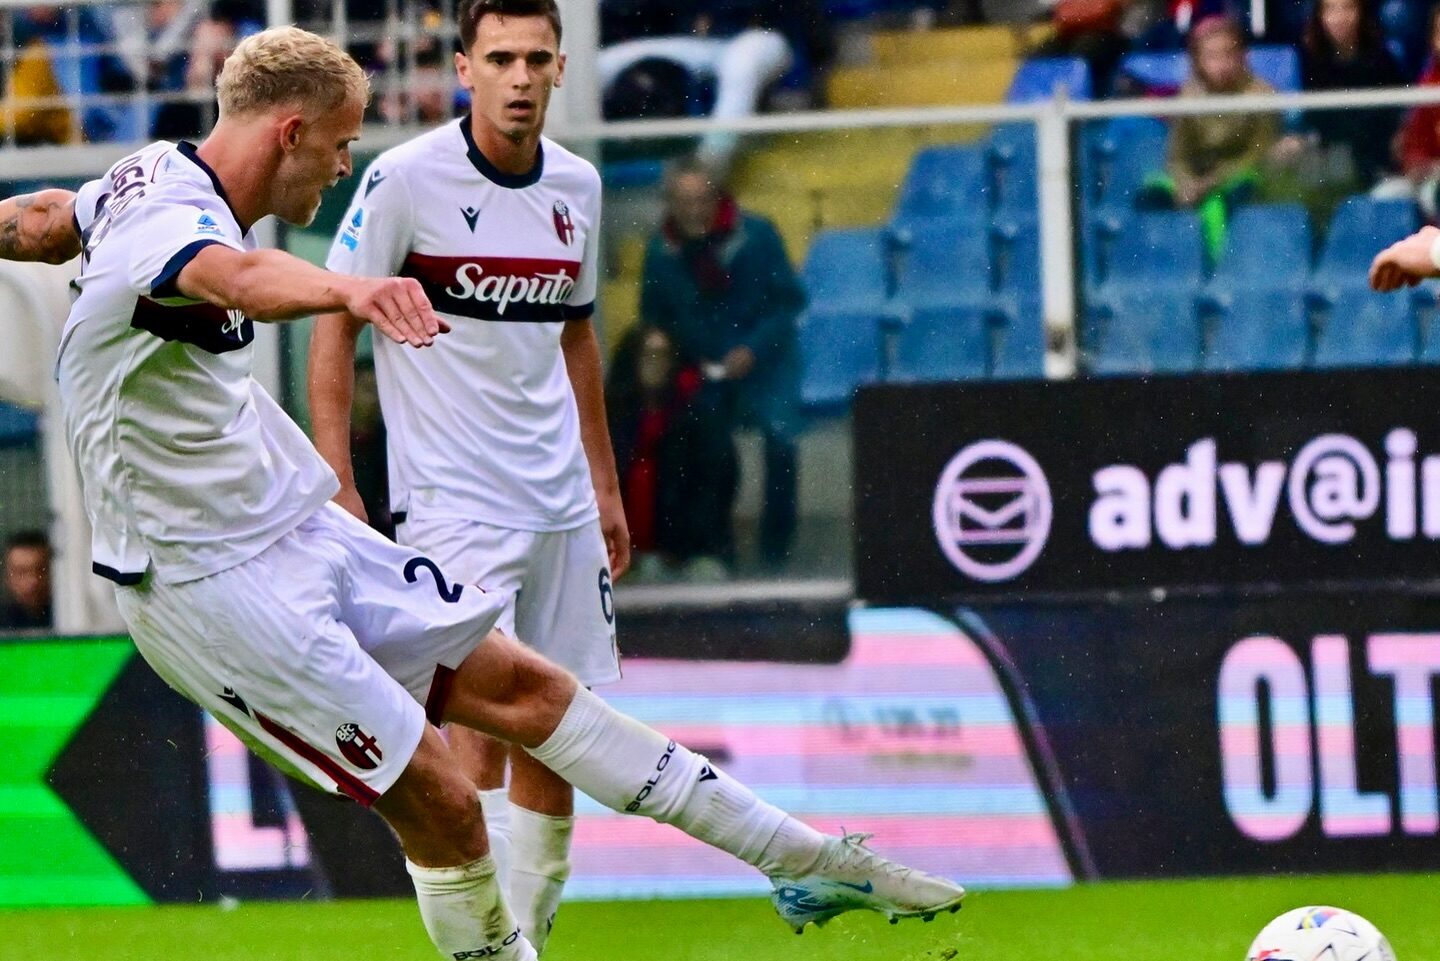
point(717, 280)
point(677, 471)
point(1215, 161)
point(27, 582)
point(743, 46)
point(1343, 48)
point(1092, 30)
point(1419, 141)
point(418, 82)
point(51, 64)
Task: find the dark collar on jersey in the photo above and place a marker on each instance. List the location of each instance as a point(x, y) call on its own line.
point(493, 173)
point(188, 151)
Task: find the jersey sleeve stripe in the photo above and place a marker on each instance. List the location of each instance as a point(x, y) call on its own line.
point(582, 312)
point(164, 283)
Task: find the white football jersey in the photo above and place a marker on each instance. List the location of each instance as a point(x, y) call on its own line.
point(483, 425)
point(187, 465)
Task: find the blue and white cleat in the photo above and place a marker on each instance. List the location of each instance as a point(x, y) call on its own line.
point(851, 877)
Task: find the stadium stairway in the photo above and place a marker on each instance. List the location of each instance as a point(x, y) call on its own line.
point(967, 65)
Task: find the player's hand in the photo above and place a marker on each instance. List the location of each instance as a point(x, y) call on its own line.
point(616, 531)
point(398, 308)
point(1406, 262)
point(349, 499)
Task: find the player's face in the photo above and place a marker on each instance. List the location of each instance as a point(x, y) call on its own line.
point(316, 157)
point(510, 72)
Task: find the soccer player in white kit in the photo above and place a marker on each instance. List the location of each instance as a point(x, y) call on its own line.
point(500, 462)
point(325, 647)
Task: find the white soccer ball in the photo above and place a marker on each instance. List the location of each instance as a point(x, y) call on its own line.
point(1320, 934)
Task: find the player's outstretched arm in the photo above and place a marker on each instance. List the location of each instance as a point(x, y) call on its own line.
point(39, 226)
point(271, 285)
point(332, 396)
point(1407, 262)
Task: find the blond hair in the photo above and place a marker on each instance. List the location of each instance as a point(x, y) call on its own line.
point(287, 66)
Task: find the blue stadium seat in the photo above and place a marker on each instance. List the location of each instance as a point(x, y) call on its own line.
point(1426, 301)
point(1016, 169)
point(1268, 245)
point(1116, 157)
point(1165, 72)
point(846, 275)
point(1159, 250)
point(839, 349)
point(1038, 78)
point(944, 261)
point(1257, 329)
point(1277, 65)
point(1018, 344)
point(846, 267)
point(1161, 72)
point(943, 341)
point(1360, 328)
point(1144, 331)
point(943, 183)
point(1016, 254)
point(1360, 228)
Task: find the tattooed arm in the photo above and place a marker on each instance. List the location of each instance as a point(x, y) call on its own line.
point(39, 226)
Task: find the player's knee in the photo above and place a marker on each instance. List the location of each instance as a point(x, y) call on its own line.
point(433, 808)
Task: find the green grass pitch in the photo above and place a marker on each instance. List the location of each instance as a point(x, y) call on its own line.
point(1163, 921)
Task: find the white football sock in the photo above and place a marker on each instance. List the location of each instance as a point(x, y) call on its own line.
point(629, 767)
point(465, 914)
point(540, 846)
point(495, 803)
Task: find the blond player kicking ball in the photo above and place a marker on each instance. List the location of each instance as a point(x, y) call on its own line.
point(500, 462)
point(325, 647)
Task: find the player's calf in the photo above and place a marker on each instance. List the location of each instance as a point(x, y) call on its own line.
point(433, 809)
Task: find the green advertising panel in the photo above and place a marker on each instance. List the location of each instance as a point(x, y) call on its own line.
point(48, 689)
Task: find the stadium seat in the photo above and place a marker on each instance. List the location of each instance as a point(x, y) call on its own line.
point(1165, 72)
point(1116, 157)
point(848, 267)
point(946, 260)
point(1016, 171)
point(1018, 339)
point(1360, 228)
point(1159, 250)
point(1039, 77)
point(846, 276)
point(1267, 245)
point(840, 349)
point(1360, 328)
point(1257, 329)
point(1016, 254)
point(1426, 302)
point(1145, 331)
point(943, 341)
point(943, 183)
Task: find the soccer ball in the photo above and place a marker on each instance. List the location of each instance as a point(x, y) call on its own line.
point(1320, 934)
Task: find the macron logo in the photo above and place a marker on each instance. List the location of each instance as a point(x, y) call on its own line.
point(376, 179)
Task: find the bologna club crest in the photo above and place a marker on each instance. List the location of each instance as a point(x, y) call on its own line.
point(358, 747)
point(564, 226)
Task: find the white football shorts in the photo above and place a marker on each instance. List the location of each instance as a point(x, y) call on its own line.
point(564, 601)
point(325, 653)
